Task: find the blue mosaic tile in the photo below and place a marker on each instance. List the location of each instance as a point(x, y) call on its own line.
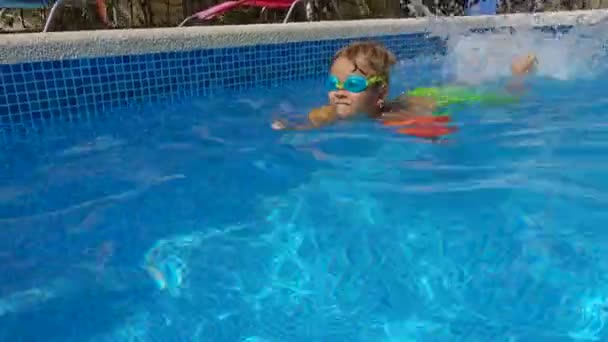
point(34, 95)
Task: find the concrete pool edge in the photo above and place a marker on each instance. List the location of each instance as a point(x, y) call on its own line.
point(32, 47)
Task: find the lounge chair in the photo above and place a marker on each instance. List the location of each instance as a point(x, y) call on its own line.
point(226, 6)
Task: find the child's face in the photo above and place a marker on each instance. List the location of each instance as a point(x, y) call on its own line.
point(349, 104)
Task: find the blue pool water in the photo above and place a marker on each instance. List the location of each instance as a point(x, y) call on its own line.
point(195, 221)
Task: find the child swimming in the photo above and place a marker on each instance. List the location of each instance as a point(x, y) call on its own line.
point(358, 86)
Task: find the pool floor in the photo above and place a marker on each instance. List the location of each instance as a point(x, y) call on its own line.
point(195, 221)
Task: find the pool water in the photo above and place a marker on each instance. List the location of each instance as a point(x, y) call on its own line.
point(196, 222)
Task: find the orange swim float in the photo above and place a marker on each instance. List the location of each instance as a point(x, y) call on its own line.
point(430, 127)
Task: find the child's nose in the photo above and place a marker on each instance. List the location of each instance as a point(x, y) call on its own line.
point(341, 94)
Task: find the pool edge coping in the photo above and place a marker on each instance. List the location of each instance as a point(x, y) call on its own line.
point(34, 47)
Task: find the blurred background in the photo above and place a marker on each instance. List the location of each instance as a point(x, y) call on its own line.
point(113, 14)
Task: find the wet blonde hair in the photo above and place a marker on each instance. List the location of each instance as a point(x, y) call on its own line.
point(376, 57)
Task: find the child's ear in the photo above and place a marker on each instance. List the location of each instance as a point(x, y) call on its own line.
point(383, 91)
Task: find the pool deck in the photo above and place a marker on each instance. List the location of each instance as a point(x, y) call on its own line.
point(17, 48)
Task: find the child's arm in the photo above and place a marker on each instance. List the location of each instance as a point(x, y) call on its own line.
point(408, 106)
point(316, 118)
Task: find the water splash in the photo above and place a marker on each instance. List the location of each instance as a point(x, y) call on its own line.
point(476, 57)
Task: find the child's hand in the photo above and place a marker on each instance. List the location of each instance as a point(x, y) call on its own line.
point(278, 125)
point(523, 64)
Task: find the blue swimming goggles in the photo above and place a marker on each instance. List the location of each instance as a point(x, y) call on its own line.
point(353, 83)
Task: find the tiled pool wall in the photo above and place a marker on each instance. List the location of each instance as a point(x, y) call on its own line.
point(57, 78)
